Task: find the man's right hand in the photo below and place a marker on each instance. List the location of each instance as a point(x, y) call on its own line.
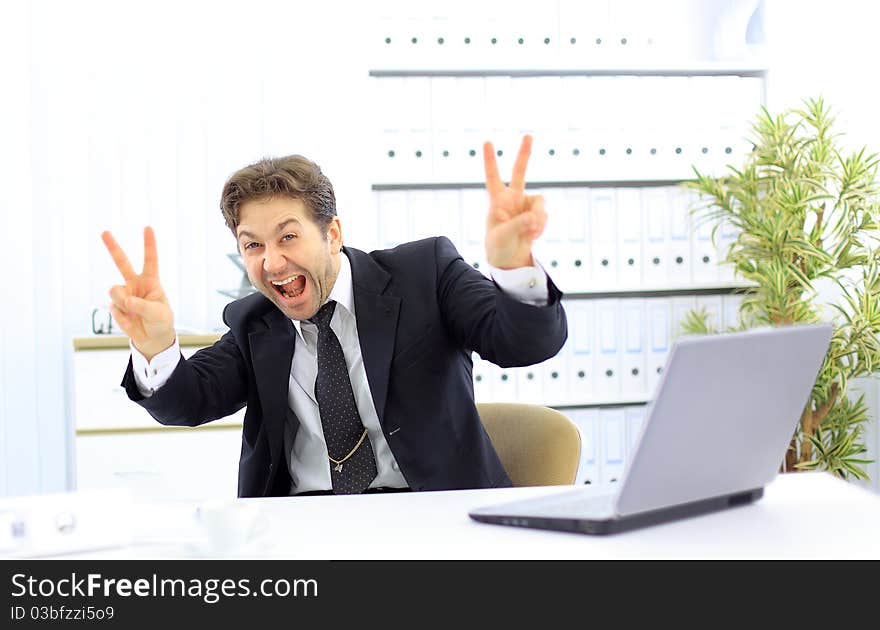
point(140, 306)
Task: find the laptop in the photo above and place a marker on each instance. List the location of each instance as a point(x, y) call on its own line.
point(715, 434)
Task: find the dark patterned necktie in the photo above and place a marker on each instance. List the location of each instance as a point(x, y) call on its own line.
point(352, 464)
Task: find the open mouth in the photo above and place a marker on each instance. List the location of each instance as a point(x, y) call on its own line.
point(291, 287)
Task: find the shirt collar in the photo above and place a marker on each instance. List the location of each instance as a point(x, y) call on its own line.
point(342, 290)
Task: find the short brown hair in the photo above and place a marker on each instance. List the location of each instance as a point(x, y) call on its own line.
point(292, 176)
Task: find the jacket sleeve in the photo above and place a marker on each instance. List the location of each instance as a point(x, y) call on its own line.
point(482, 318)
point(211, 384)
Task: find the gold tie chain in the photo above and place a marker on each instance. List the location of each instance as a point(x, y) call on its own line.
point(338, 462)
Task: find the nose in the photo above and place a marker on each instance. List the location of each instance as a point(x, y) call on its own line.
point(273, 260)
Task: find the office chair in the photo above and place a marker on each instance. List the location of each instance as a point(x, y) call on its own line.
point(538, 446)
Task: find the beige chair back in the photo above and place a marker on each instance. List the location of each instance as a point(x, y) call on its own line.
point(538, 446)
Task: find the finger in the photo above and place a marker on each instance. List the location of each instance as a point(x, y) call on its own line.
point(118, 295)
point(536, 207)
point(151, 258)
point(519, 226)
point(493, 180)
point(118, 256)
point(123, 320)
point(148, 310)
point(518, 180)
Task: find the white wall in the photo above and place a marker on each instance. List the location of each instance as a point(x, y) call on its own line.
point(34, 427)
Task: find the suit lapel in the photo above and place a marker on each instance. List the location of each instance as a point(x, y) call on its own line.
point(272, 354)
point(376, 315)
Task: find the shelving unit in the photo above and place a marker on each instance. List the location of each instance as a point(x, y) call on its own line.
point(616, 131)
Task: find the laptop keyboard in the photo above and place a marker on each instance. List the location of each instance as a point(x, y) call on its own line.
point(580, 506)
point(570, 504)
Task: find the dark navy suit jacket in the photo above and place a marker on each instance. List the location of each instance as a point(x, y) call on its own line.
point(420, 312)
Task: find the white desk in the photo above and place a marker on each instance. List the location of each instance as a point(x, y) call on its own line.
point(806, 515)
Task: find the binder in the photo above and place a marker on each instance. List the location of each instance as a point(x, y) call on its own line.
point(731, 119)
point(445, 129)
point(679, 269)
point(423, 219)
point(440, 40)
point(416, 49)
point(628, 34)
point(631, 152)
point(534, 33)
point(554, 378)
point(530, 384)
point(524, 106)
point(612, 429)
point(587, 422)
point(633, 380)
point(730, 305)
point(635, 417)
point(629, 235)
point(681, 306)
point(712, 306)
point(416, 163)
point(575, 101)
point(705, 255)
point(750, 91)
point(545, 96)
point(577, 266)
point(482, 379)
point(446, 219)
point(573, 29)
point(390, 100)
point(474, 208)
point(393, 218)
point(389, 43)
point(726, 237)
point(581, 344)
point(458, 33)
point(499, 109)
point(659, 315)
point(655, 209)
point(553, 243)
point(678, 144)
point(603, 221)
point(602, 133)
point(607, 372)
point(656, 126)
point(586, 29)
point(504, 383)
point(486, 33)
point(470, 115)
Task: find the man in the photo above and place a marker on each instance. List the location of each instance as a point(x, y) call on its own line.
point(355, 367)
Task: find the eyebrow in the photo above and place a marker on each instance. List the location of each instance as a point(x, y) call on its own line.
point(279, 228)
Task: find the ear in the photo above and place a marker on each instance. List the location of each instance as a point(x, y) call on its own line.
point(334, 235)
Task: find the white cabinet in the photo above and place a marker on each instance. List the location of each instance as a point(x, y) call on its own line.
point(118, 444)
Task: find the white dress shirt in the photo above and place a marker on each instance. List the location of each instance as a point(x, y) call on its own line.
point(307, 456)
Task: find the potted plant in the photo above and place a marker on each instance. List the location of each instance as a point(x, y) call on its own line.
point(806, 215)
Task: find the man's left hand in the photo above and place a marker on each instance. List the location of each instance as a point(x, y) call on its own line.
point(515, 219)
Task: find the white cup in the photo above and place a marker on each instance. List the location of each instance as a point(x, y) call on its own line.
point(227, 525)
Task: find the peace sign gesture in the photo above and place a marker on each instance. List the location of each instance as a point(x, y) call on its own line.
point(515, 219)
point(140, 306)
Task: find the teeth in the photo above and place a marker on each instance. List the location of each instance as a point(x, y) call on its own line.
point(283, 282)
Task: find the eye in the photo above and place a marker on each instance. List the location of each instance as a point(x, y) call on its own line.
point(251, 245)
point(288, 237)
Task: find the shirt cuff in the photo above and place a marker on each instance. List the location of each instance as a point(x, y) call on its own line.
point(151, 375)
point(526, 284)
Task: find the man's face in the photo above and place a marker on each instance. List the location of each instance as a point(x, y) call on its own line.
point(287, 257)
